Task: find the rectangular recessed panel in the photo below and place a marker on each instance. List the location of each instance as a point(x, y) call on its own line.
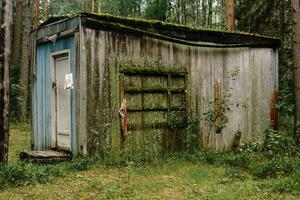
point(177, 83)
point(155, 101)
point(155, 117)
point(134, 101)
point(63, 107)
point(155, 82)
point(133, 81)
point(177, 101)
point(134, 118)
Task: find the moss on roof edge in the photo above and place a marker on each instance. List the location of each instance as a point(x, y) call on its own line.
point(167, 26)
point(172, 25)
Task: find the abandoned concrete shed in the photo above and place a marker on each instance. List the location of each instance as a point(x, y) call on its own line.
point(128, 88)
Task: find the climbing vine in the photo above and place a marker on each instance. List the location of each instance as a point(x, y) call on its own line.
point(216, 118)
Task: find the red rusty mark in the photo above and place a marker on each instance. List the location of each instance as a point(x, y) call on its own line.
point(274, 111)
point(218, 99)
point(123, 113)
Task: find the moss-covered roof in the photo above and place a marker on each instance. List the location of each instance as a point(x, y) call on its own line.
point(169, 31)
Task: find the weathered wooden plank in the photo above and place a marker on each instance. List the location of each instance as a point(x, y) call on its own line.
point(45, 157)
point(205, 67)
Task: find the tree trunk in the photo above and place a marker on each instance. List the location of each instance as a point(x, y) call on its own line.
point(197, 12)
point(45, 10)
point(296, 56)
point(230, 15)
point(17, 33)
point(184, 12)
point(204, 21)
point(178, 11)
point(24, 71)
point(5, 53)
point(36, 15)
point(209, 20)
point(94, 6)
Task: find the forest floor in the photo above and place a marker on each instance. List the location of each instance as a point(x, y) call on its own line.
point(169, 179)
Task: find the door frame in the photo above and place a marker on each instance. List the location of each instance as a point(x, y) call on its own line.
point(53, 57)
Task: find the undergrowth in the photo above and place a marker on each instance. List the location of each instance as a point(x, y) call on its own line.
point(276, 159)
point(20, 173)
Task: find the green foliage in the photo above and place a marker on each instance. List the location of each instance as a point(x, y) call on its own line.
point(15, 100)
point(233, 174)
point(21, 173)
point(217, 118)
point(81, 163)
point(67, 7)
point(176, 120)
point(128, 8)
point(192, 133)
point(279, 142)
point(252, 147)
point(242, 160)
point(290, 184)
point(156, 68)
point(156, 9)
point(276, 166)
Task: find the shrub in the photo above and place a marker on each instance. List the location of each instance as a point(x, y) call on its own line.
point(279, 143)
point(21, 173)
point(286, 185)
point(82, 163)
point(242, 160)
point(279, 165)
point(192, 136)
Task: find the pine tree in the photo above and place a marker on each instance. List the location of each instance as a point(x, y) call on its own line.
point(24, 70)
point(230, 15)
point(45, 10)
point(17, 33)
point(296, 55)
point(5, 53)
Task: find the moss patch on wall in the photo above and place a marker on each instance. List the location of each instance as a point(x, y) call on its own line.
point(153, 92)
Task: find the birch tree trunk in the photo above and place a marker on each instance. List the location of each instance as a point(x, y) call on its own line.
point(296, 55)
point(230, 15)
point(24, 70)
point(5, 53)
point(17, 33)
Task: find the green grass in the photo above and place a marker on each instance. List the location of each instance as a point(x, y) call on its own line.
point(203, 175)
point(20, 137)
point(171, 180)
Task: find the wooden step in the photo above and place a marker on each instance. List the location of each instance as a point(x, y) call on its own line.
point(45, 157)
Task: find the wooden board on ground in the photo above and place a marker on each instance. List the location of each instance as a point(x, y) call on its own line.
point(45, 157)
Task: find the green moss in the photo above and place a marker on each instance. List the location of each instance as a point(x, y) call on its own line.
point(164, 25)
point(133, 89)
point(154, 70)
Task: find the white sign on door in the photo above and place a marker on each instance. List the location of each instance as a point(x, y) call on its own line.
point(69, 84)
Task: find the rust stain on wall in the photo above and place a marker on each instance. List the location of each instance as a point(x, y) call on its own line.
point(218, 105)
point(274, 111)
